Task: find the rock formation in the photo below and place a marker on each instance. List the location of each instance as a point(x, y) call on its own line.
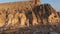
point(18, 12)
point(58, 14)
point(26, 14)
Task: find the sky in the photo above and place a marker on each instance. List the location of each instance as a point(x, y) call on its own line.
point(54, 3)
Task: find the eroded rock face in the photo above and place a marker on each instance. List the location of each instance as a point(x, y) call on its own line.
point(53, 19)
point(58, 14)
point(25, 16)
point(32, 16)
point(20, 14)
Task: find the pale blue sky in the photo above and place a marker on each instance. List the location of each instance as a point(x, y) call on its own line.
point(55, 3)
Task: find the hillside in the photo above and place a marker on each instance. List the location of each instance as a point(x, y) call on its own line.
point(29, 15)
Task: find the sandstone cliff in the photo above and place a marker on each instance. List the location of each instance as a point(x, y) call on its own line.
point(25, 14)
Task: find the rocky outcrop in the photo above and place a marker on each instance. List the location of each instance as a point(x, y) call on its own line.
point(31, 14)
point(26, 14)
point(18, 13)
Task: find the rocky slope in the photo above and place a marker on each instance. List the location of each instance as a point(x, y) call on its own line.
point(25, 13)
point(17, 13)
point(28, 14)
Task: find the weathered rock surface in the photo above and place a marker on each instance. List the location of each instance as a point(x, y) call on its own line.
point(29, 14)
point(18, 13)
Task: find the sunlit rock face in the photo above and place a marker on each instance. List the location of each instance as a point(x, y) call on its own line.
point(2, 17)
point(18, 13)
point(30, 13)
point(28, 17)
point(53, 19)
